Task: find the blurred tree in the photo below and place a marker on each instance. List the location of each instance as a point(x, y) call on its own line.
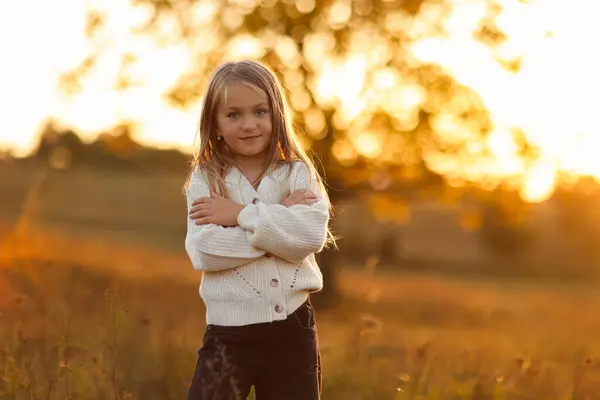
point(504, 227)
point(375, 115)
point(579, 219)
point(60, 149)
point(6, 156)
point(357, 92)
point(120, 142)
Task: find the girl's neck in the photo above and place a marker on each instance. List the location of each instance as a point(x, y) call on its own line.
point(252, 167)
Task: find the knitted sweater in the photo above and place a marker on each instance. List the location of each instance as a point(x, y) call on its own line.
point(263, 269)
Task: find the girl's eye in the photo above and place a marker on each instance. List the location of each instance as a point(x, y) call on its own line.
point(260, 113)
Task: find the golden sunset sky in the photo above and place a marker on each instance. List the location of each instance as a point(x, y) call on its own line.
point(552, 98)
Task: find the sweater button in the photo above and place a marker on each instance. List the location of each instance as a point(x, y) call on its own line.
point(274, 282)
point(278, 308)
point(255, 200)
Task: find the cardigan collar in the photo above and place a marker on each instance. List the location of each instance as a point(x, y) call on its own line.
point(235, 177)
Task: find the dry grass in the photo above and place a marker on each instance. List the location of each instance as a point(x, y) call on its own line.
point(128, 324)
point(88, 315)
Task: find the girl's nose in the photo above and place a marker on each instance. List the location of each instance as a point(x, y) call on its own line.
point(249, 125)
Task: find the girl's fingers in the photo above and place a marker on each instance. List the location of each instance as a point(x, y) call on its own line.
point(202, 200)
point(200, 214)
point(199, 207)
point(306, 202)
point(302, 196)
point(203, 218)
point(285, 197)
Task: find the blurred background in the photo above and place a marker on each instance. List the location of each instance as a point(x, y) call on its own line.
point(459, 142)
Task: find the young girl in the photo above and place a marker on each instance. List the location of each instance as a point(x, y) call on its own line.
point(258, 212)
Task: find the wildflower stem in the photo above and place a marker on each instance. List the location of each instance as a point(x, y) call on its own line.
point(373, 389)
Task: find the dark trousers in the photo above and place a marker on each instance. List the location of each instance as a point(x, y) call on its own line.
point(281, 359)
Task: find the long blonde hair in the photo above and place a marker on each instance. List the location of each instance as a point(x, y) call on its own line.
point(214, 160)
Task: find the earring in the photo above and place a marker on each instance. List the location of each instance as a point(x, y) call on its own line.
point(218, 137)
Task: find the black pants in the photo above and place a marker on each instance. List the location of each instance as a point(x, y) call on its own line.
point(281, 359)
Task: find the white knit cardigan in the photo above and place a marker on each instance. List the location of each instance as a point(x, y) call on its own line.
point(263, 269)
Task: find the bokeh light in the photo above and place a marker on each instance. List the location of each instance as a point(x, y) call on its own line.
point(540, 80)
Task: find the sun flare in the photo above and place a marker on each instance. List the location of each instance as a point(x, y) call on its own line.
point(550, 97)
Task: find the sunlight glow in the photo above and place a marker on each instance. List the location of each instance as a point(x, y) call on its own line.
point(368, 145)
point(539, 182)
point(30, 64)
point(551, 98)
point(35, 95)
point(549, 94)
point(341, 81)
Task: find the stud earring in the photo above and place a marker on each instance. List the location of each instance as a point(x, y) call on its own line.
point(218, 137)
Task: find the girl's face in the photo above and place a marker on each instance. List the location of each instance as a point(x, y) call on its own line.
point(244, 122)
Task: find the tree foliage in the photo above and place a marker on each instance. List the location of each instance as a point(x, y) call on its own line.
point(357, 90)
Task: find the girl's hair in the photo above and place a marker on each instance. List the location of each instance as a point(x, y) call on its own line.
point(214, 159)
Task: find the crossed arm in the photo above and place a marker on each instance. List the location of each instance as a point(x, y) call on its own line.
point(211, 246)
point(222, 234)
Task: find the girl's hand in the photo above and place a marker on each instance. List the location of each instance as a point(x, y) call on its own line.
point(303, 196)
point(215, 209)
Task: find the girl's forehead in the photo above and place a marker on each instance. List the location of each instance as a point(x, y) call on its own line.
point(240, 94)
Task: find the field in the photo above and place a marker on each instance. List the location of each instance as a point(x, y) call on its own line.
point(97, 301)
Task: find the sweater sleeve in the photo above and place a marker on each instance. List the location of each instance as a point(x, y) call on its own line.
point(292, 233)
point(213, 247)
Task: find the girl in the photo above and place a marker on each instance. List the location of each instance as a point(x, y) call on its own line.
point(258, 212)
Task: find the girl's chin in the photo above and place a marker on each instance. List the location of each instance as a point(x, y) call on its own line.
point(251, 153)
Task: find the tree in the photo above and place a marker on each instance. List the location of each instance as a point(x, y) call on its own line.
point(504, 229)
point(369, 108)
point(577, 217)
point(60, 149)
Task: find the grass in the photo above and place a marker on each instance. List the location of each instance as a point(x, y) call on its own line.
point(108, 331)
point(90, 310)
